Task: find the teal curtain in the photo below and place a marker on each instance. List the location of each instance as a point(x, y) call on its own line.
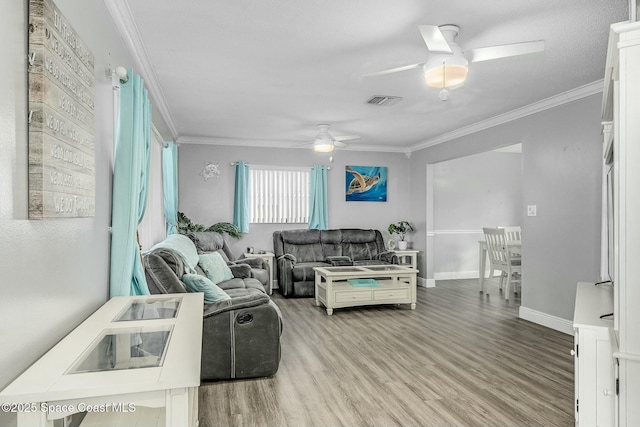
point(170, 185)
point(318, 207)
point(130, 184)
point(241, 197)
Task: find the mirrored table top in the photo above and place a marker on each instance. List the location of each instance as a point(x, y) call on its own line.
point(124, 348)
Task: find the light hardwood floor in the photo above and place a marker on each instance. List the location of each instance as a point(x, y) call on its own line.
point(460, 359)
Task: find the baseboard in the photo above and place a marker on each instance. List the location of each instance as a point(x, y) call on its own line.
point(544, 319)
point(450, 275)
point(426, 283)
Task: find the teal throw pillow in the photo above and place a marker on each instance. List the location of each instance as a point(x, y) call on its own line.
point(214, 267)
point(198, 283)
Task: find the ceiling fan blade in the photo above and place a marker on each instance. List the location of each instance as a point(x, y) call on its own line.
point(434, 39)
point(339, 144)
point(506, 50)
point(346, 137)
point(394, 70)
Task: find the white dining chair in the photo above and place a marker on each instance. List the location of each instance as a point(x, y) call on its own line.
point(513, 233)
point(502, 258)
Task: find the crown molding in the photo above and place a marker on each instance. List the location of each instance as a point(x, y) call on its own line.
point(270, 143)
point(130, 34)
point(537, 107)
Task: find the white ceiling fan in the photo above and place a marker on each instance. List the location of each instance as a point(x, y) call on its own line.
point(447, 65)
point(325, 143)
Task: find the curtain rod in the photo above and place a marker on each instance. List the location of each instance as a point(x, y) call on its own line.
point(276, 166)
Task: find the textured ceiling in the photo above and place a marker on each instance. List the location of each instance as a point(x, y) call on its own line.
point(266, 72)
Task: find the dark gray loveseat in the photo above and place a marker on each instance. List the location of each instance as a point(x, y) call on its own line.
point(298, 251)
point(240, 336)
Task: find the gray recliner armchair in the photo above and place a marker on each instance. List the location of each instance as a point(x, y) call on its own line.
point(211, 241)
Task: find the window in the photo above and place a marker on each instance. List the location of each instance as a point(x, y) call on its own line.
point(278, 195)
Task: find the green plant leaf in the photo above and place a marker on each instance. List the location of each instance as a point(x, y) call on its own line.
point(226, 227)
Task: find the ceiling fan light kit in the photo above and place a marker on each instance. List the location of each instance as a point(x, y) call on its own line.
point(445, 71)
point(322, 146)
point(323, 142)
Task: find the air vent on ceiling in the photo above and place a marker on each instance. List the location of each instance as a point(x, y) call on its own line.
point(382, 100)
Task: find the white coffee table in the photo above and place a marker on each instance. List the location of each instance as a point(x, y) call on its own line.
point(397, 285)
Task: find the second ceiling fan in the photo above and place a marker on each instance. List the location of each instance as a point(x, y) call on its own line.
point(325, 142)
point(447, 65)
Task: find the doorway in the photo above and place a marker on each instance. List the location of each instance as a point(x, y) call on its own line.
point(463, 195)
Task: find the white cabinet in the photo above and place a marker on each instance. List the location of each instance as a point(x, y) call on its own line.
point(621, 111)
point(594, 363)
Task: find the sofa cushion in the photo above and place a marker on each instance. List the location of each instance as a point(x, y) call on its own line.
point(303, 272)
point(360, 251)
point(261, 275)
point(305, 252)
point(304, 245)
point(241, 271)
point(331, 242)
point(211, 241)
point(198, 283)
point(300, 237)
point(360, 244)
point(355, 235)
point(236, 283)
point(243, 292)
point(206, 241)
point(215, 267)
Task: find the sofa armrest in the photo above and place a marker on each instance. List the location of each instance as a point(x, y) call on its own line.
point(253, 300)
point(339, 260)
point(388, 256)
point(241, 271)
point(285, 265)
point(289, 257)
point(253, 262)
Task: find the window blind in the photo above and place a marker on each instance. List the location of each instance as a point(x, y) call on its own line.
point(278, 195)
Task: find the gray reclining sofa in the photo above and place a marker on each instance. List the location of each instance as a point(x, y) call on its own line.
point(298, 251)
point(241, 335)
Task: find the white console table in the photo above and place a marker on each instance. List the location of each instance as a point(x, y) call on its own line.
point(133, 352)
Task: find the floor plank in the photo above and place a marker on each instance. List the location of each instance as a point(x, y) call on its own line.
point(460, 359)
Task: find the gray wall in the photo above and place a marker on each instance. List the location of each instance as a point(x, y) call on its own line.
point(483, 190)
point(561, 175)
point(54, 271)
point(211, 201)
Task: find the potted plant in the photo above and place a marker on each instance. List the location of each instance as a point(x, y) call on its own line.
point(401, 228)
point(226, 227)
point(185, 225)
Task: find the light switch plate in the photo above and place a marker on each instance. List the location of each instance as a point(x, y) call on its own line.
point(532, 210)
